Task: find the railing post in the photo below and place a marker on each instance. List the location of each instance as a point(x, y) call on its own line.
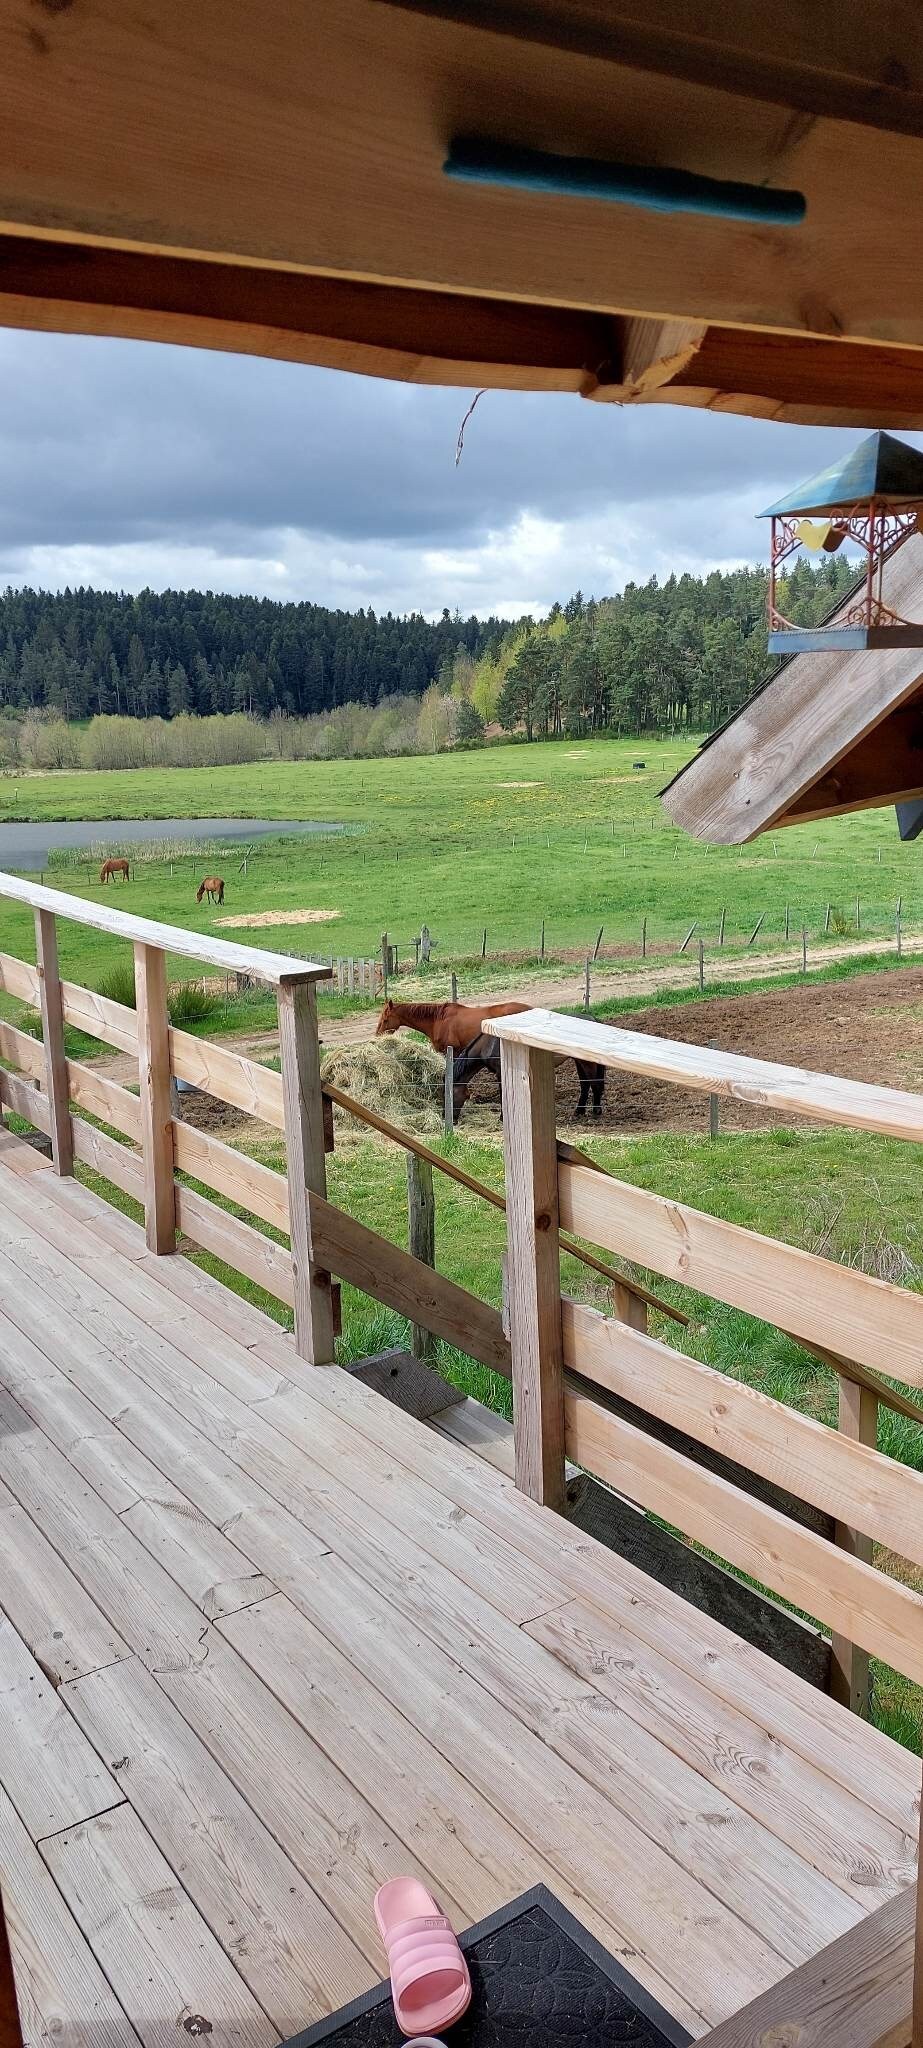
point(304, 1152)
point(46, 960)
point(421, 1236)
point(628, 1307)
point(916, 2035)
point(156, 1098)
point(849, 1663)
point(534, 1271)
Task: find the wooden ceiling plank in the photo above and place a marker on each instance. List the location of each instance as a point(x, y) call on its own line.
point(319, 144)
point(867, 66)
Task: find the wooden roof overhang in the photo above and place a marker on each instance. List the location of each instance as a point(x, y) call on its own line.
point(273, 183)
point(831, 732)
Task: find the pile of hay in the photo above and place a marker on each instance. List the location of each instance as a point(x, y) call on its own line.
point(402, 1078)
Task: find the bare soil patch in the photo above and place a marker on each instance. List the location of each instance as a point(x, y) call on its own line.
point(870, 1029)
point(260, 918)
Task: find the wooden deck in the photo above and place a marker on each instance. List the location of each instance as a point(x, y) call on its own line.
point(265, 1642)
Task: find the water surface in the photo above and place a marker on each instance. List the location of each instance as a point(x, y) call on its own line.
point(24, 848)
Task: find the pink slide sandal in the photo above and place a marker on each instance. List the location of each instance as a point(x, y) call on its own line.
point(429, 1975)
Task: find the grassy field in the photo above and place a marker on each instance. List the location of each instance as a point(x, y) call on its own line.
point(498, 839)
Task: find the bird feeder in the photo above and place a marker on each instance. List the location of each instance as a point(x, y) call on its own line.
point(872, 500)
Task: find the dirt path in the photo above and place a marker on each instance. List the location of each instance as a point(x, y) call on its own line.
point(557, 992)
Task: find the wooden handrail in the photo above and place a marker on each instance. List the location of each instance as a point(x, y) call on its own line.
point(277, 970)
point(826, 1098)
point(479, 1187)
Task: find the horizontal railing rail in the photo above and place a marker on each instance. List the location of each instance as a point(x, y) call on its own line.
point(149, 1153)
point(679, 1439)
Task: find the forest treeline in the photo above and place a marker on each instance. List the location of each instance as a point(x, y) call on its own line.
point(102, 679)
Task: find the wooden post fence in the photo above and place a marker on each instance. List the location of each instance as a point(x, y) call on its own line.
point(849, 1666)
point(307, 1173)
point(421, 1236)
point(56, 1089)
point(156, 1107)
point(536, 1339)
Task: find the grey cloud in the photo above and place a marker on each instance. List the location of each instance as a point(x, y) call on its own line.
point(120, 452)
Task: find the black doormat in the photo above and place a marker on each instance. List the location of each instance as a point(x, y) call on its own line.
point(538, 1980)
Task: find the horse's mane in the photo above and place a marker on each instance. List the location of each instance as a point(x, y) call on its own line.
point(414, 1013)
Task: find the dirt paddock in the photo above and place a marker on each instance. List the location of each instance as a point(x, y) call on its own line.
point(870, 1029)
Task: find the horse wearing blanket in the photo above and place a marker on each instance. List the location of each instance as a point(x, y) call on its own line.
point(459, 1026)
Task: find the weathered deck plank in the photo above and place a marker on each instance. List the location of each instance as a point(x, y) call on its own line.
point(63, 1993)
point(451, 1680)
point(164, 1964)
point(48, 1767)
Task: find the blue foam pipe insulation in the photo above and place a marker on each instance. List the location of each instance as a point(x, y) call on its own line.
point(656, 189)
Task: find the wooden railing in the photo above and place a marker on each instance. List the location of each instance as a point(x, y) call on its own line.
point(59, 1095)
point(575, 1372)
point(572, 1367)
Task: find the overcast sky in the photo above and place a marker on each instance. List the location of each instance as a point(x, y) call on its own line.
point(126, 464)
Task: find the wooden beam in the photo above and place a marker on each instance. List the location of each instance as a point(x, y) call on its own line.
point(809, 1296)
point(883, 1615)
point(533, 1272)
point(854, 73)
point(46, 958)
point(885, 767)
point(115, 1162)
point(376, 330)
point(323, 152)
point(839, 1472)
point(389, 1274)
point(849, 1663)
point(826, 1098)
point(229, 1075)
point(307, 1169)
point(236, 1244)
point(654, 351)
point(421, 1236)
point(154, 1077)
point(437, 337)
point(856, 1993)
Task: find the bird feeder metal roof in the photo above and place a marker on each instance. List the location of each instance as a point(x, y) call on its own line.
point(880, 467)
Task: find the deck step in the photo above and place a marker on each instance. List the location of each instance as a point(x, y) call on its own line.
point(408, 1382)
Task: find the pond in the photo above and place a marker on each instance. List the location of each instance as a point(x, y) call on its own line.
point(26, 847)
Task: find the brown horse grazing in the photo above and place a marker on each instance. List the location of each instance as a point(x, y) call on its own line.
point(111, 868)
point(212, 887)
point(459, 1025)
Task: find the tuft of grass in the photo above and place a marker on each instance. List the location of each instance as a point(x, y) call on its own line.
point(189, 1004)
point(118, 986)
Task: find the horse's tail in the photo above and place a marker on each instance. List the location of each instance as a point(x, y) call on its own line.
point(221, 892)
point(200, 892)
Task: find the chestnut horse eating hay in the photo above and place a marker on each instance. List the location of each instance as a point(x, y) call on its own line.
point(111, 868)
point(458, 1025)
point(212, 887)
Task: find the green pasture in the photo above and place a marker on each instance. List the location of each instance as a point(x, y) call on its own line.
point(498, 839)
